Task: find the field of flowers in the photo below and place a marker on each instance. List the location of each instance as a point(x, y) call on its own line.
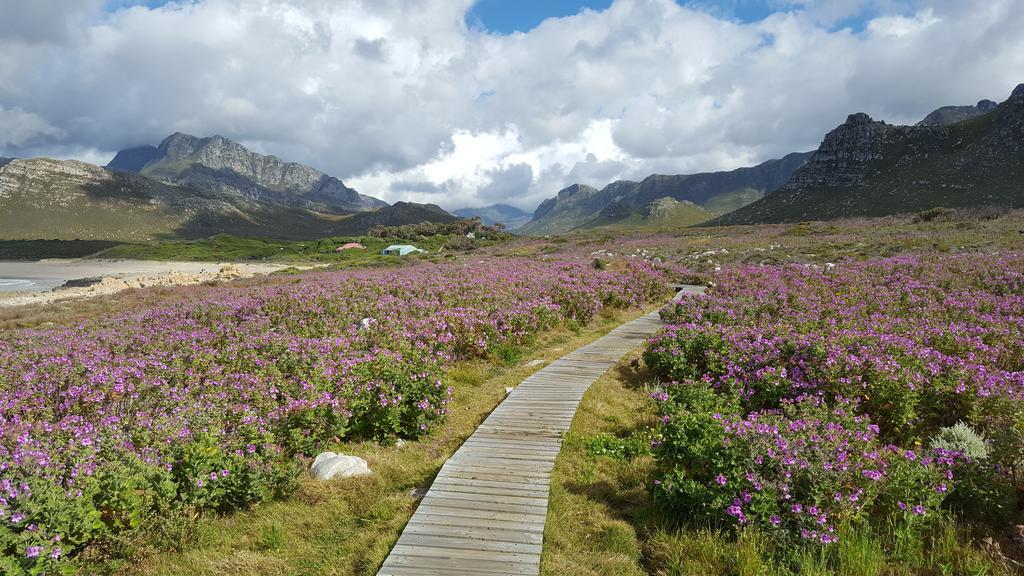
point(809, 402)
point(210, 401)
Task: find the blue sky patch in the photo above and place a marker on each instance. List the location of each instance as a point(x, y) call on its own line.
point(507, 16)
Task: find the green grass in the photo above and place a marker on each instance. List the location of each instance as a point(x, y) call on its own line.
point(225, 247)
point(603, 522)
point(346, 526)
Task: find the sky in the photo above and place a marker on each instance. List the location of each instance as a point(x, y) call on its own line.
point(469, 103)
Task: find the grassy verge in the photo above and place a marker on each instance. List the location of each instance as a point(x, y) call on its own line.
point(348, 526)
point(602, 522)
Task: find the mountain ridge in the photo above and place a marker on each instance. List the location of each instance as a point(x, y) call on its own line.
point(218, 163)
point(716, 192)
point(866, 167)
point(952, 114)
point(70, 199)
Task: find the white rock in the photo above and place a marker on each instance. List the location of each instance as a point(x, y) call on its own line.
point(329, 465)
point(399, 443)
point(508, 390)
point(365, 323)
point(536, 362)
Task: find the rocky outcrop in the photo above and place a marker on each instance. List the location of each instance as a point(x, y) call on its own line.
point(716, 192)
point(219, 164)
point(843, 156)
point(870, 168)
point(952, 114)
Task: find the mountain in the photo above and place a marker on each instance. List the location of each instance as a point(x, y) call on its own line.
point(67, 199)
point(715, 192)
point(398, 214)
point(218, 164)
point(870, 168)
point(952, 114)
point(661, 213)
point(510, 216)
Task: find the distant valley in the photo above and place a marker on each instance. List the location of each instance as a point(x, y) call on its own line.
point(510, 216)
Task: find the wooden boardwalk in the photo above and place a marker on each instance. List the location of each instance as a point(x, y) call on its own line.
point(484, 513)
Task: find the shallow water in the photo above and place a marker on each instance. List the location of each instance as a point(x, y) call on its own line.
point(29, 284)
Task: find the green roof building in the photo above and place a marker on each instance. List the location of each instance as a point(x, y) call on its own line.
point(401, 250)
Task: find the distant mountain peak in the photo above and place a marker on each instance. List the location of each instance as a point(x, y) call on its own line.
point(947, 115)
point(1018, 93)
point(858, 119)
point(218, 163)
point(574, 189)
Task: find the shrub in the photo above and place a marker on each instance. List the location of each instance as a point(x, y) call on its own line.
point(933, 214)
point(962, 439)
point(800, 472)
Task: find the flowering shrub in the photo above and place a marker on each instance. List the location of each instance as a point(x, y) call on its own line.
point(801, 398)
point(209, 401)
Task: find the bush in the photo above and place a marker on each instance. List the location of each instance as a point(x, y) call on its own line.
point(962, 439)
point(933, 214)
point(396, 395)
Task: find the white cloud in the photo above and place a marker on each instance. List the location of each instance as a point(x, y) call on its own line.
point(19, 129)
point(402, 100)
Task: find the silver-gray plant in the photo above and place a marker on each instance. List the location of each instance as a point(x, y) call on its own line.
point(961, 438)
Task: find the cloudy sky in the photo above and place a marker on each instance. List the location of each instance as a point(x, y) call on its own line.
point(462, 103)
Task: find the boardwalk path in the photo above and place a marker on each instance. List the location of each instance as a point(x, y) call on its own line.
point(484, 514)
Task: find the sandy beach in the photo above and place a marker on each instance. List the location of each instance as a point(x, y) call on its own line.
point(114, 276)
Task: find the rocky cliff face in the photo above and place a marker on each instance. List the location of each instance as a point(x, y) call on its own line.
point(717, 192)
point(869, 168)
point(845, 153)
point(217, 163)
point(953, 114)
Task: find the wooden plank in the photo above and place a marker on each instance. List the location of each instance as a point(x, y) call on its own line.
point(484, 513)
point(465, 542)
point(477, 523)
point(485, 532)
point(421, 558)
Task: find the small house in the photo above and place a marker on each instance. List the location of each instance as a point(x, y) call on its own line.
point(401, 250)
point(350, 246)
